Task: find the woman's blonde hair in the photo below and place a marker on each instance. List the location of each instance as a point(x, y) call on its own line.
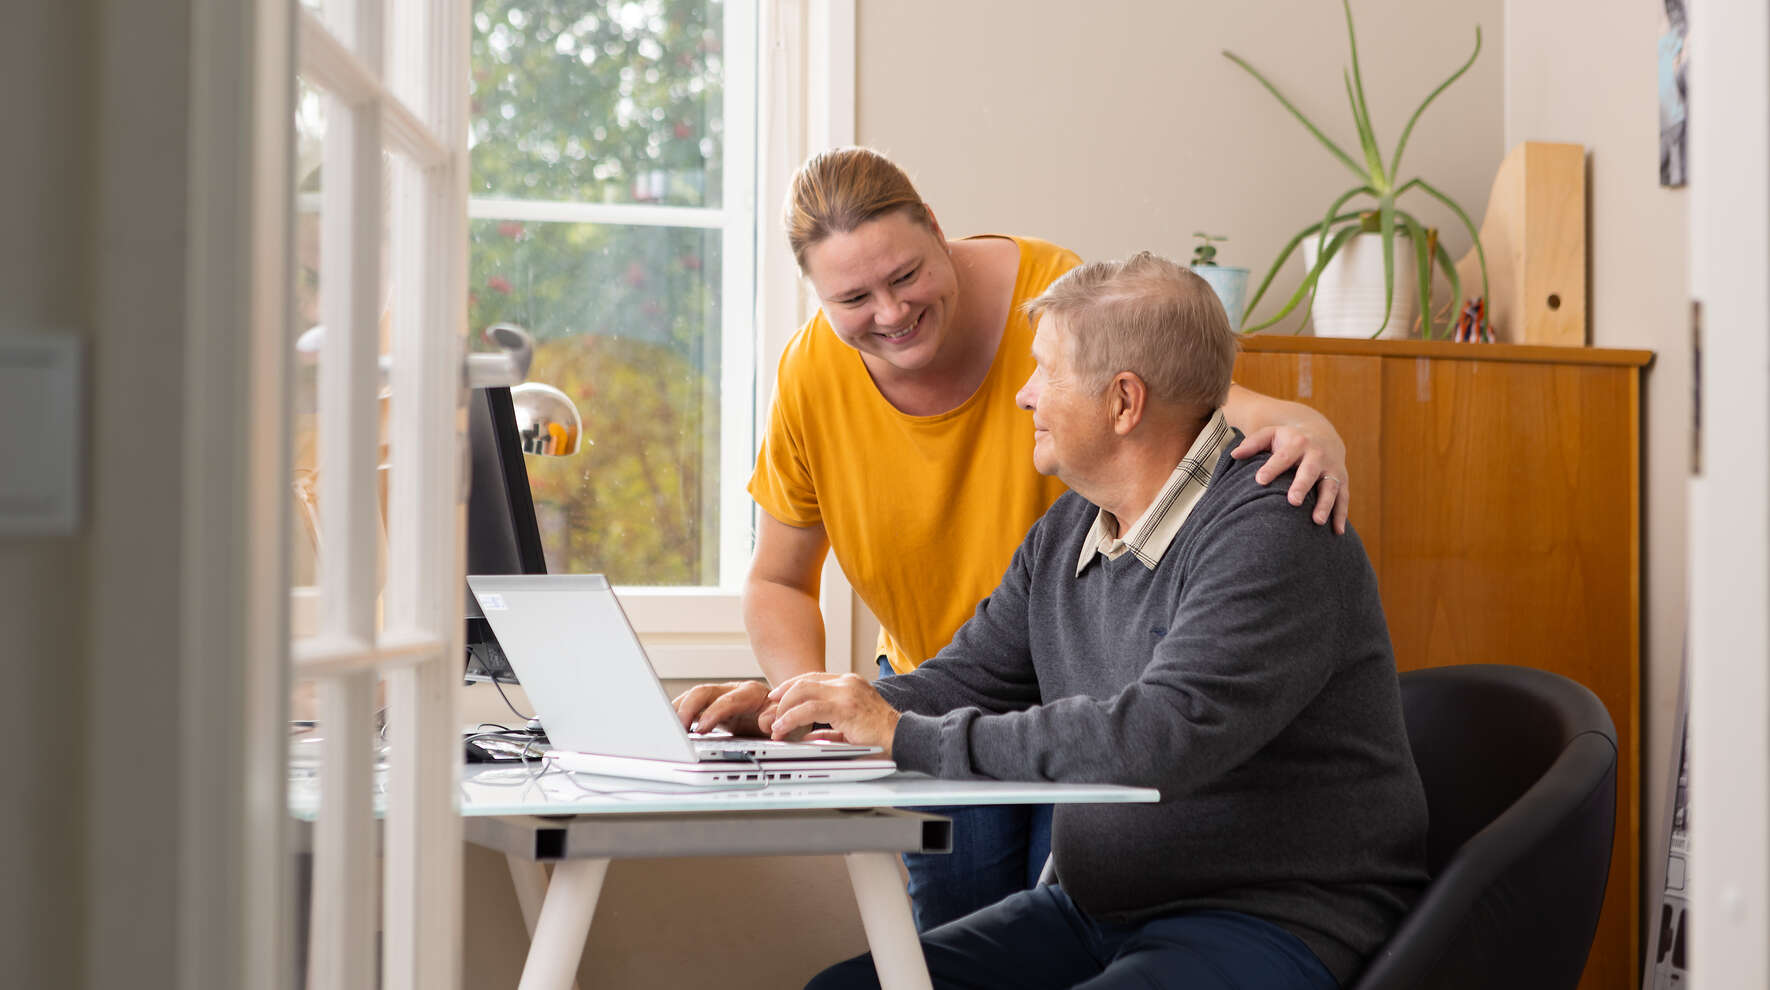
point(836, 191)
point(1149, 316)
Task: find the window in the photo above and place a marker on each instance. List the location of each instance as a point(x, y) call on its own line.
point(612, 215)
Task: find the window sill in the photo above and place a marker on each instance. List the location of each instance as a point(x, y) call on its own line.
point(691, 633)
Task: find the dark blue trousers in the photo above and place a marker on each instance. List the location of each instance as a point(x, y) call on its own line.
point(997, 850)
point(1038, 939)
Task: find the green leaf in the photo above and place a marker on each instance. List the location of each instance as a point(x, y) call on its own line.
point(1456, 286)
point(1480, 254)
point(1422, 270)
point(1372, 157)
point(1361, 109)
point(1308, 285)
point(1285, 255)
point(1395, 165)
point(1386, 230)
point(1334, 208)
point(1305, 121)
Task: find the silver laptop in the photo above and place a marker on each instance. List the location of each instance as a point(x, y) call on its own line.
point(602, 706)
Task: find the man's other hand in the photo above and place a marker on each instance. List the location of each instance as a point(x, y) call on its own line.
point(845, 702)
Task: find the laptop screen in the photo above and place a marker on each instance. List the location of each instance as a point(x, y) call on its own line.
point(586, 674)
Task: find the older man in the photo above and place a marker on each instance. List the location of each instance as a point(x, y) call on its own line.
point(1169, 623)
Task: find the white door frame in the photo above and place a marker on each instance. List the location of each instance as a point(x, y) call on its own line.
point(1729, 143)
point(234, 923)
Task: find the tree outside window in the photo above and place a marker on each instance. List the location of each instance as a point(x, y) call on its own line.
point(600, 226)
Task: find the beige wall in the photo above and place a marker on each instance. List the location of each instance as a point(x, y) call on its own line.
point(92, 190)
point(1116, 125)
point(43, 286)
point(1583, 71)
point(133, 594)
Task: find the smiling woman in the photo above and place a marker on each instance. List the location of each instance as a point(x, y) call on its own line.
point(890, 290)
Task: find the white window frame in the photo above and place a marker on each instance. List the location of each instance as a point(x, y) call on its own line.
point(797, 97)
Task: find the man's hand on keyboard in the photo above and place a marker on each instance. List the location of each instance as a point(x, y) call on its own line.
point(847, 703)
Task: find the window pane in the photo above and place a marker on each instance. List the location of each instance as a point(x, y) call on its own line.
point(600, 102)
point(312, 108)
point(626, 322)
point(310, 135)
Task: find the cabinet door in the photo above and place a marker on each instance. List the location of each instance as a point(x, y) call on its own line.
point(1511, 511)
point(1511, 517)
point(1347, 389)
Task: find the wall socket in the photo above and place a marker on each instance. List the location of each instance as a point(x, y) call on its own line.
point(42, 434)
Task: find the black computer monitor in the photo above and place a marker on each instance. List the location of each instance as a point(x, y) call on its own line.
point(502, 535)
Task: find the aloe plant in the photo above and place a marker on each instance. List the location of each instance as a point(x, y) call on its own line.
point(1379, 181)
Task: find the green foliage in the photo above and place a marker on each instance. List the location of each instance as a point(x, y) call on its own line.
point(598, 101)
point(1379, 182)
point(641, 504)
point(1205, 253)
point(614, 102)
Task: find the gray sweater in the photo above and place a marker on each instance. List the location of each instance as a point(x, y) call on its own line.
point(1249, 677)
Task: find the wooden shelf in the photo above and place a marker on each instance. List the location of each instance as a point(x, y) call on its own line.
point(1444, 350)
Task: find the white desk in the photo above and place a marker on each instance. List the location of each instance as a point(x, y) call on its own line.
point(560, 818)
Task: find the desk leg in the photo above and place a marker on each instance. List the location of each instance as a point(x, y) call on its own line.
point(530, 880)
point(885, 913)
point(563, 925)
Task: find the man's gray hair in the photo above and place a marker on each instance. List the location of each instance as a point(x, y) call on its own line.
point(1149, 316)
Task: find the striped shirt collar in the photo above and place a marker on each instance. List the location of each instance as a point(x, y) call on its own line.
point(1150, 535)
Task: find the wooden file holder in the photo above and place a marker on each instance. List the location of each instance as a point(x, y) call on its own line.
point(1535, 236)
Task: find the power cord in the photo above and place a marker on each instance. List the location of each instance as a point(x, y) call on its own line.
point(508, 704)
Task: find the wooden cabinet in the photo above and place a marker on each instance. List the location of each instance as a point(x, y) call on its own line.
point(1497, 490)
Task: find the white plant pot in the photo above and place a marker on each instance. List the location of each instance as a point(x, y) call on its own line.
point(1349, 295)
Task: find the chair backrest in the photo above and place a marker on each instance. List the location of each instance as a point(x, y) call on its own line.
point(1519, 767)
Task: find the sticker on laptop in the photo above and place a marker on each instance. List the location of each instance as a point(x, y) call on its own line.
point(493, 603)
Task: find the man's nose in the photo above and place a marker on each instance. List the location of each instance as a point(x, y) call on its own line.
point(1028, 396)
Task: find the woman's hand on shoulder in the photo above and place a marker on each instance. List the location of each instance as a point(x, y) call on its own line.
point(1311, 445)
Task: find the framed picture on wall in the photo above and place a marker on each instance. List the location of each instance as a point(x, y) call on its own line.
point(1674, 61)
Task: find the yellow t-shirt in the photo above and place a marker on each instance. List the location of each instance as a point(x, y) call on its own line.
point(923, 512)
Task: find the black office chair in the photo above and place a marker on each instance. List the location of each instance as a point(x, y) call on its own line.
point(1519, 767)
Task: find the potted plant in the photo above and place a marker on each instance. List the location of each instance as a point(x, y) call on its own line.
point(1352, 235)
point(1230, 284)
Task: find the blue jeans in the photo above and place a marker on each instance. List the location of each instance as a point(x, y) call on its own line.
point(997, 850)
point(1039, 939)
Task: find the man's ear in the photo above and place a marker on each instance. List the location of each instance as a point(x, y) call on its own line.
point(1128, 400)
